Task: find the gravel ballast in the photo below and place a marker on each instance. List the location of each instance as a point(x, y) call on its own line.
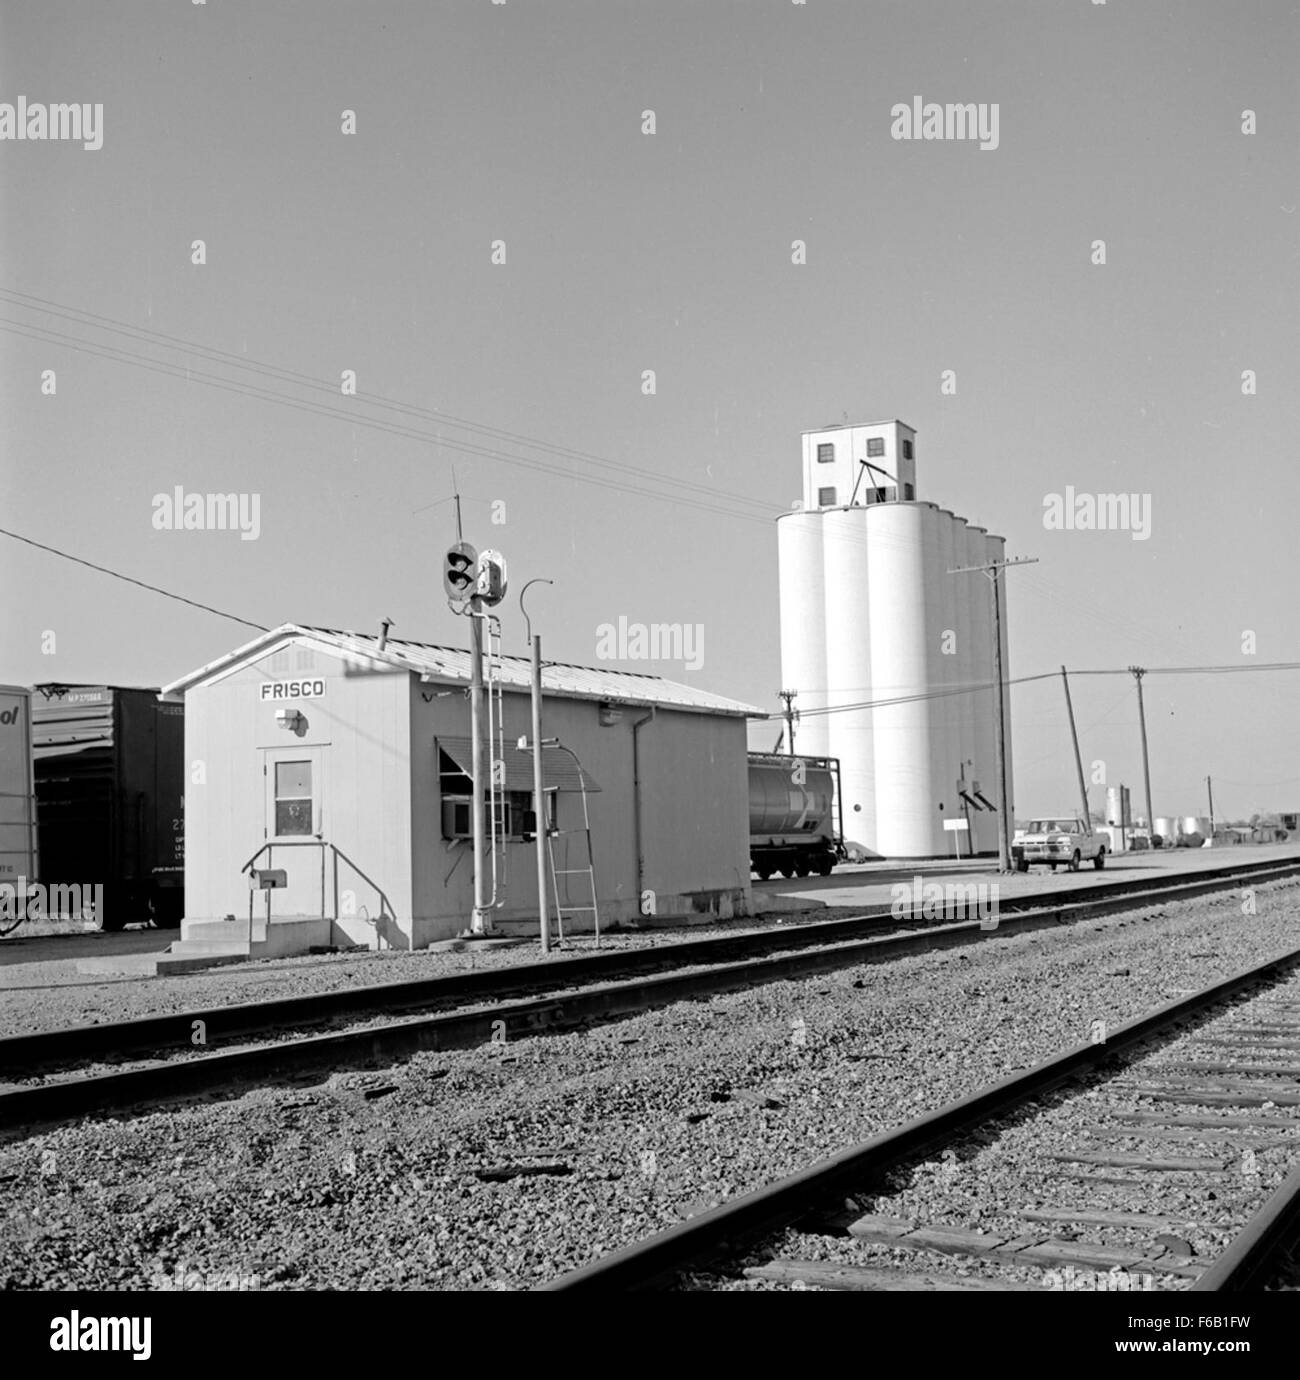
point(503, 1166)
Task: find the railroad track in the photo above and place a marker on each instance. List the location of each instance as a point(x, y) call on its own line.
point(187, 1070)
point(1167, 1114)
point(248, 1020)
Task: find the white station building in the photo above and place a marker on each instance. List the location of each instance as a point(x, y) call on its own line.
point(342, 760)
point(875, 629)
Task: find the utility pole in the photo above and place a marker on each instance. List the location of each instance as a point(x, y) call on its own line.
point(539, 794)
point(993, 573)
point(1138, 673)
point(472, 582)
point(1209, 786)
point(788, 696)
point(480, 920)
point(1078, 760)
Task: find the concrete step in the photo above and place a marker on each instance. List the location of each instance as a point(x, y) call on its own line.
point(232, 945)
point(221, 931)
point(179, 958)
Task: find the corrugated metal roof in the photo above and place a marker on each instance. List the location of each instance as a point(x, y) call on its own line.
point(560, 772)
point(453, 664)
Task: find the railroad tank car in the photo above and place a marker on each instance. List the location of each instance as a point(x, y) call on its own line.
point(110, 792)
point(794, 803)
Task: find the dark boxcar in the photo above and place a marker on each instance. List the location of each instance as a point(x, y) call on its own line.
point(110, 794)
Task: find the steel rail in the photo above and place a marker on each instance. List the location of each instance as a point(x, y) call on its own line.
point(24, 1054)
point(1250, 1254)
point(700, 1241)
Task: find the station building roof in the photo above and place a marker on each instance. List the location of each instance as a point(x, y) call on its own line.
point(451, 666)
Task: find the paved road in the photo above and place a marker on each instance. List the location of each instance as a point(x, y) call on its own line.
point(41, 948)
point(870, 884)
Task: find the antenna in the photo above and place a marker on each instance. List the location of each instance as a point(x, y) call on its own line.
point(455, 492)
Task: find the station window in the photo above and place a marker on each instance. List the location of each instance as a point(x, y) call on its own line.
point(909, 491)
point(907, 450)
point(875, 446)
point(826, 498)
point(457, 791)
point(825, 453)
point(293, 798)
point(512, 811)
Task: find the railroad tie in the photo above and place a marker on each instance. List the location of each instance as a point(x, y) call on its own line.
point(1027, 1251)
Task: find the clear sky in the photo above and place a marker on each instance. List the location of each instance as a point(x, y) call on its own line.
point(626, 252)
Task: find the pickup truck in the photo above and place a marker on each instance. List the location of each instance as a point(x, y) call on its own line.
point(1065, 840)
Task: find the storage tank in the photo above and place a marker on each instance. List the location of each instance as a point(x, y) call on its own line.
point(996, 550)
point(895, 559)
point(17, 791)
point(982, 701)
point(974, 708)
point(803, 624)
point(780, 806)
point(869, 623)
point(941, 608)
point(1193, 830)
point(1167, 828)
point(850, 733)
point(1118, 817)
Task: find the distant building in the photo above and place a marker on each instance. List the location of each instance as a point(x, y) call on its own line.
point(346, 764)
point(870, 612)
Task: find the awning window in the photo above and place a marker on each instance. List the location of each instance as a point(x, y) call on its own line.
point(559, 770)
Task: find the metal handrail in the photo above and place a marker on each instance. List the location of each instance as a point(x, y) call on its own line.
point(385, 906)
point(271, 844)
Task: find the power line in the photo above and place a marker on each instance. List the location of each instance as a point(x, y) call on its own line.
point(117, 355)
point(131, 580)
point(351, 414)
point(160, 339)
point(975, 687)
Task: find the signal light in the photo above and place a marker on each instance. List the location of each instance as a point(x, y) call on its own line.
point(460, 571)
point(491, 586)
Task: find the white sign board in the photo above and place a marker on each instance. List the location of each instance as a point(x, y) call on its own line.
point(293, 690)
point(953, 825)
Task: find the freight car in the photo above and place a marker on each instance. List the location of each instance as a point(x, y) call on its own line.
point(17, 796)
point(794, 803)
point(110, 793)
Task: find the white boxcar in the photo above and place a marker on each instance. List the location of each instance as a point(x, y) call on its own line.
point(17, 791)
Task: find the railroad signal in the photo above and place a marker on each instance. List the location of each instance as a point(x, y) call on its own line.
point(460, 572)
point(491, 587)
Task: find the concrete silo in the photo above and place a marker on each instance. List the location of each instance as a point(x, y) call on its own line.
point(803, 622)
point(870, 612)
point(849, 732)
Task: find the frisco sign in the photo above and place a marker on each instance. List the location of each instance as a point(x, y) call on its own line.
point(293, 690)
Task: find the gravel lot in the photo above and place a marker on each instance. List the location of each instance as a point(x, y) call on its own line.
point(984, 1181)
point(375, 1180)
point(48, 995)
